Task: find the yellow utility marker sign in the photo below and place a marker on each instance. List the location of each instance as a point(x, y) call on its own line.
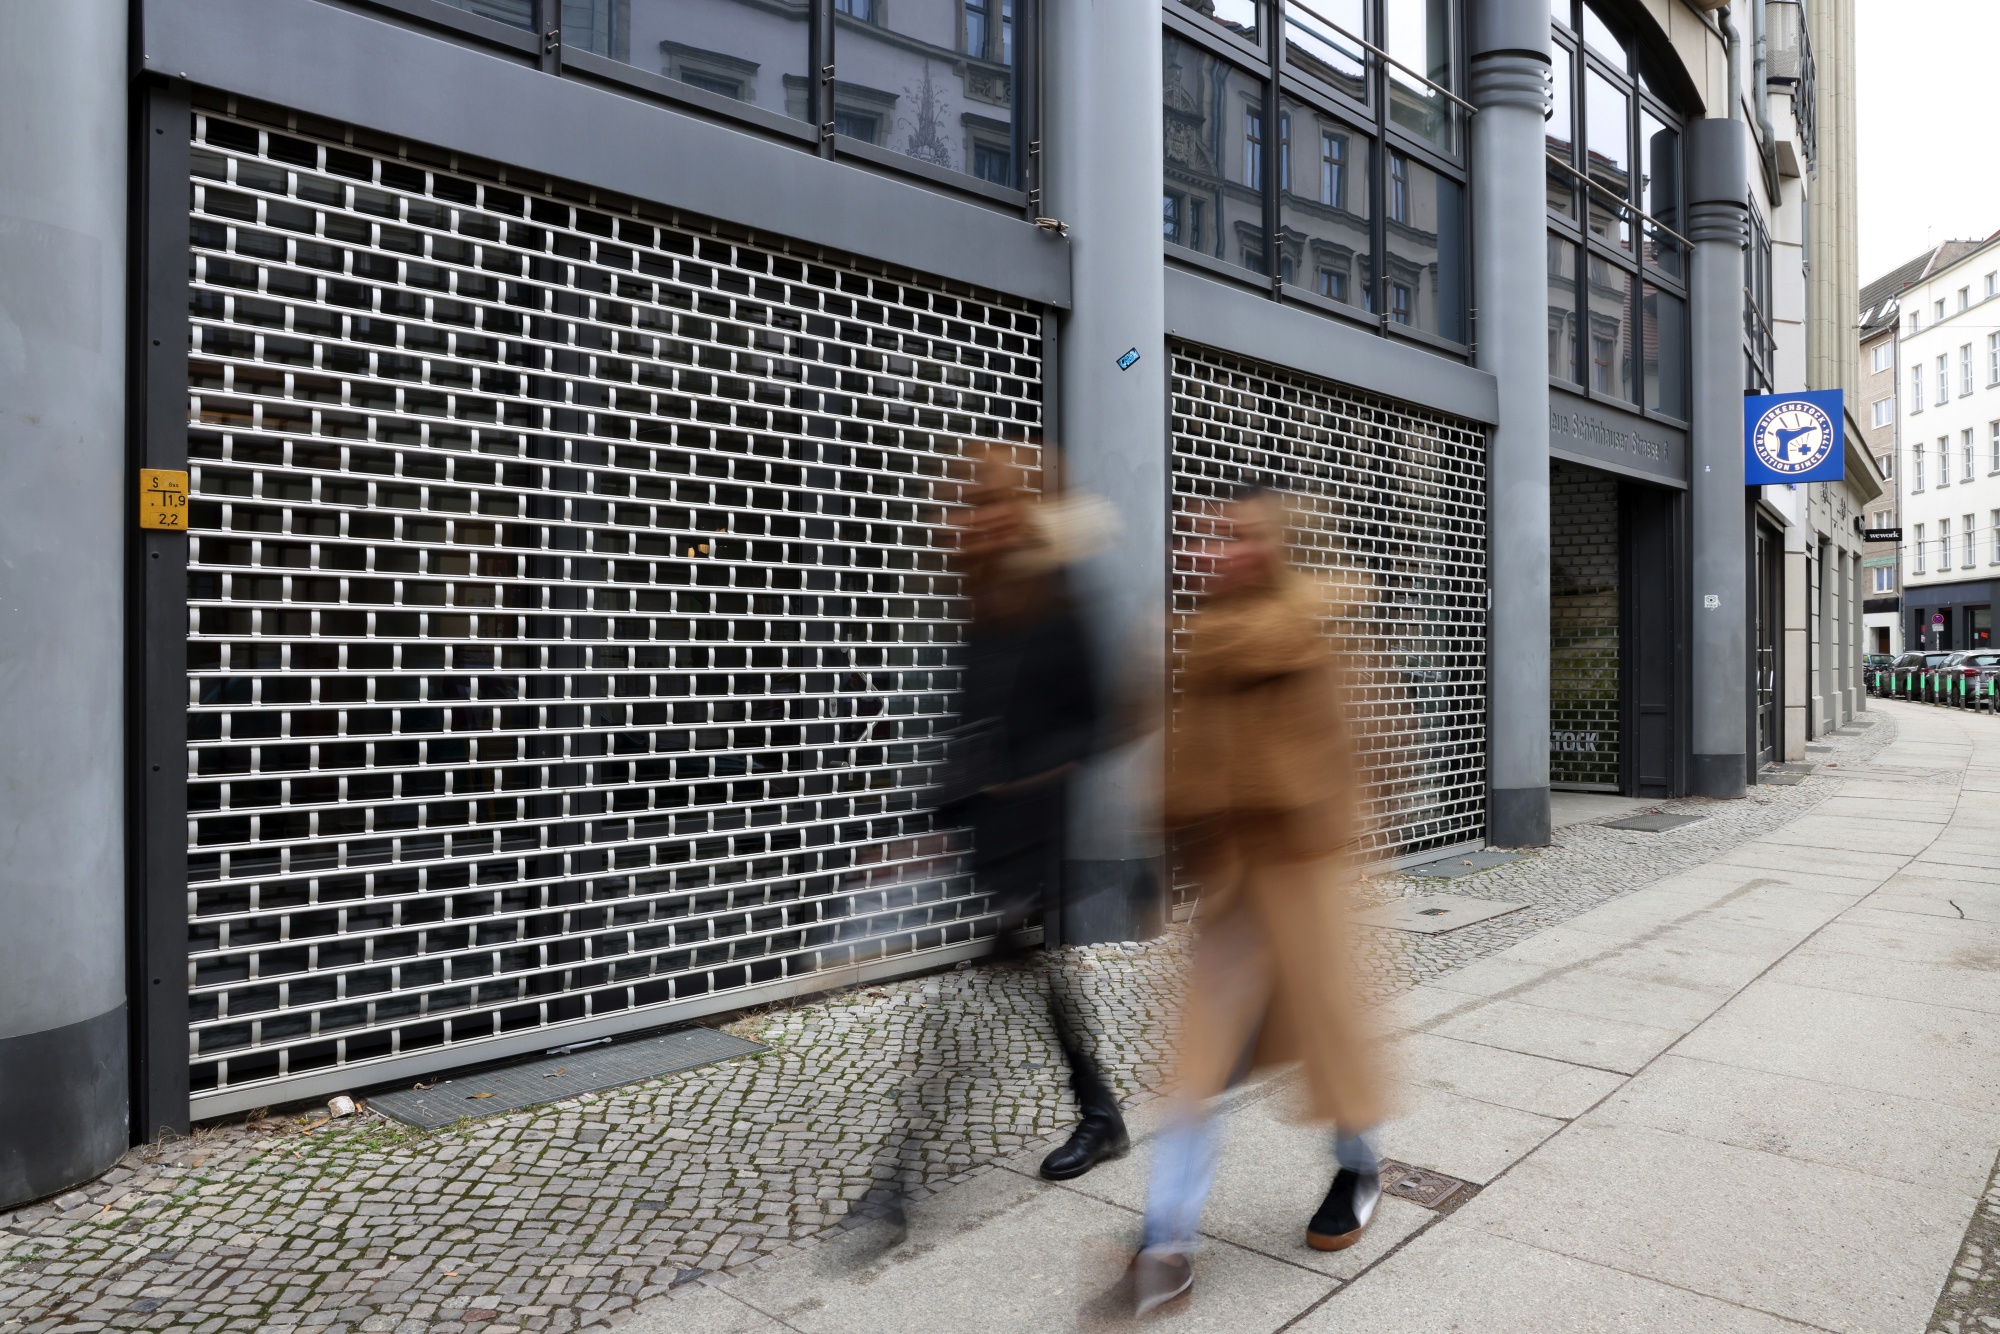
point(163, 498)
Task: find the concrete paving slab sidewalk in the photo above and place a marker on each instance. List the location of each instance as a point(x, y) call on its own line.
point(1758, 1094)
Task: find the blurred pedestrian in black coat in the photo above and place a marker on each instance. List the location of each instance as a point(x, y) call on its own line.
point(1029, 715)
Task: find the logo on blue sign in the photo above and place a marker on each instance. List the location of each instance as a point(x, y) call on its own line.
point(1793, 438)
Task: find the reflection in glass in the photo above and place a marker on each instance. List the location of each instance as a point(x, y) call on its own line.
point(1323, 218)
point(1562, 135)
point(513, 13)
point(1314, 45)
point(1419, 35)
point(1425, 271)
point(752, 53)
point(1565, 361)
point(1597, 35)
point(1660, 190)
point(1666, 352)
point(1212, 129)
point(1245, 18)
point(930, 79)
point(1608, 329)
point(1606, 110)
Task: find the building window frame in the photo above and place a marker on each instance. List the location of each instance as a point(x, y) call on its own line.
point(1883, 411)
point(1970, 543)
point(1917, 466)
point(1918, 547)
point(1964, 370)
point(1622, 243)
point(1943, 461)
point(1354, 129)
point(832, 117)
point(1943, 378)
point(1916, 390)
point(1965, 445)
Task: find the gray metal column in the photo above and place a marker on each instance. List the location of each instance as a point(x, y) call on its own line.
point(1104, 181)
point(63, 530)
point(1718, 224)
point(1510, 68)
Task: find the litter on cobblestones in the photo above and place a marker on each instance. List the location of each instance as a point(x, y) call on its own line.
point(339, 1106)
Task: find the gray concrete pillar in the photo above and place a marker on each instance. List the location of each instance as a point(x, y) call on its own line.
point(63, 108)
point(1510, 67)
point(1104, 181)
point(1718, 224)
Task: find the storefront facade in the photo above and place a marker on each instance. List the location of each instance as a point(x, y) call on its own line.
point(574, 401)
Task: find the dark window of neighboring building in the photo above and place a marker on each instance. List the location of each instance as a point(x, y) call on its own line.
point(1617, 324)
point(856, 125)
point(1352, 129)
point(514, 13)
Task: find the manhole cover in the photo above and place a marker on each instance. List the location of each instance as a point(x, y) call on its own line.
point(1430, 914)
point(1432, 1190)
point(1657, 823)
point(1773, 779)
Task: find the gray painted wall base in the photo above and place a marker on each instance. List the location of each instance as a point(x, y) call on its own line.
point(1518, 817)
point(1112, 900)
point(1718, 776)
point(63, 1093)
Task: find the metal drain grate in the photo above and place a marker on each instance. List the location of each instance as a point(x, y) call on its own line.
point(569, 619)
point(510, 1088)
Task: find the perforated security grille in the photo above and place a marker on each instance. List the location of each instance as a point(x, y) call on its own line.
point(1390, 502)
point(569, 617)
point(1584, 698)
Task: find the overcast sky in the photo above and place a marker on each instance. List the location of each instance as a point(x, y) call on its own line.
point(1927, 89)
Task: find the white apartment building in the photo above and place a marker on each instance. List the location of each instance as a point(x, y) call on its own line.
point(1950, 444)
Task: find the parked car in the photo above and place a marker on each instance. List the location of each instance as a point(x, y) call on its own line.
point(1968, 676)
point(1910, 676)
point(1870, 661)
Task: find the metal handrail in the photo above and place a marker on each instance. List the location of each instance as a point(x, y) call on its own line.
point(1750, 304)
point(1382, 55)
point(1622, 202)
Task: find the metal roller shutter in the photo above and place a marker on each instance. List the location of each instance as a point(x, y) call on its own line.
point(569, 621)
point(1391, 505)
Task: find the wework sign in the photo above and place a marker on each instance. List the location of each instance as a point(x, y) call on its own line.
point(1604, 437)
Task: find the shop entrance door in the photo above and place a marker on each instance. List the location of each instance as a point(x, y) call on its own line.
point(1766, 703)
point(1651, 620)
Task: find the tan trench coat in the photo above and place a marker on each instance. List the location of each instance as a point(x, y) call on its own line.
point(1262, 791)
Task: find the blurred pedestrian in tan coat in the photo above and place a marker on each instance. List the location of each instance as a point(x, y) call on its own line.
point(1262, 796)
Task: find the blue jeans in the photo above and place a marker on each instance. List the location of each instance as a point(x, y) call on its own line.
point(1184, 1171)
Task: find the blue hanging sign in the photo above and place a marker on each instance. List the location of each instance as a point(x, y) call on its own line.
point(1794, 437)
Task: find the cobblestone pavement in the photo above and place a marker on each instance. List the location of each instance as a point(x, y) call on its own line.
point(1970, 1303)
point(567, 1215)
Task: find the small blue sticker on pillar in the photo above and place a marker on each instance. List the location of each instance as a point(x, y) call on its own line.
point(1131, 357)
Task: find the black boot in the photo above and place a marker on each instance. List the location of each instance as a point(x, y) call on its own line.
point(1345, 1212)
point(1100, 1135)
